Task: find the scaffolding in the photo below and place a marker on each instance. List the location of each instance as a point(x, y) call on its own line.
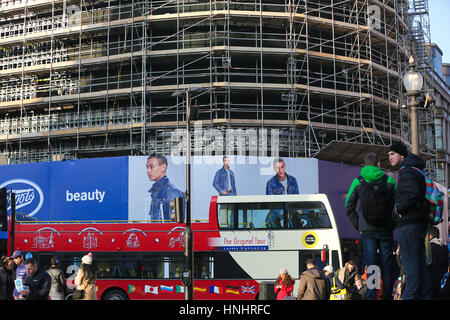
point(88, 78)
point(419, 24)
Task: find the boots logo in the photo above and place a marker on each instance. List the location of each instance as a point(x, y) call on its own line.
point(29, 196)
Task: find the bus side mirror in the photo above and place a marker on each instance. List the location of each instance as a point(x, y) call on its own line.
point(176, 210)
point(3, 210)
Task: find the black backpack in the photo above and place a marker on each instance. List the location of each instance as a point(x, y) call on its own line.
point(376, 201)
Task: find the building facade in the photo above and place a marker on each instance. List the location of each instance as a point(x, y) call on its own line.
point(93, 78)
point(435, 81)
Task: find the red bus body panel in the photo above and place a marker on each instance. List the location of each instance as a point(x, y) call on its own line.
point(135, 237)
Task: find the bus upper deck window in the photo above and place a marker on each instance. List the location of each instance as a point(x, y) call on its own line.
point(273, 215)
point(225, 216)
point(308, 215)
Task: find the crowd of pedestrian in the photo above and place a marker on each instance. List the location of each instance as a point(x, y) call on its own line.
point(347, 284)
point(21, 278)
point(377, 205)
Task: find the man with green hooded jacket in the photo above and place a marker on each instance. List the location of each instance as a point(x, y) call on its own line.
point(374, 223)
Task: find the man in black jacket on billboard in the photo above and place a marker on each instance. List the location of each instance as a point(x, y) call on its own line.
point(410, 218)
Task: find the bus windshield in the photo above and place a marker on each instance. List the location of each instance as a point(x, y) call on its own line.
point(273, 215)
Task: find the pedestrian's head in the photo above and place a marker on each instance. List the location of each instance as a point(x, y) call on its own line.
point(17, 257)
point(156, 167)
point(328, 270)
point(31, 266)
point(283, 272)
point(54, 261)
point(434, 233)
point(87, 259)
point(280, 168)
point(350, 266)
point(397, 152)
point(371, 159)
point(310, 264)
point(8, 263)
point(285, 277)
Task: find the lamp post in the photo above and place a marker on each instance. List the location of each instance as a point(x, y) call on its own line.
point(188, 274)
point(413, 82)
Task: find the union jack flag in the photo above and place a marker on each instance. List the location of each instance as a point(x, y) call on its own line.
point(246, 289)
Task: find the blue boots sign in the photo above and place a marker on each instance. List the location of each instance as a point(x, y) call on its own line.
point(78, 190)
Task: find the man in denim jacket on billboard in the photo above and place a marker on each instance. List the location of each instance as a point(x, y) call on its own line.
point(281, 183)
point(224, 181)
point(162, 191)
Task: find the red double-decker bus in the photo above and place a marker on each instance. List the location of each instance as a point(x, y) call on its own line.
point(246, 241)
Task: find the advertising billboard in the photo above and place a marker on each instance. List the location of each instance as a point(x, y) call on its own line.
point(128, 188)
point(250, 176)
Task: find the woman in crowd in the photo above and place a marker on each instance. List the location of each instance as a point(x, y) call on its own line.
point(284, 285)
point(86, 277)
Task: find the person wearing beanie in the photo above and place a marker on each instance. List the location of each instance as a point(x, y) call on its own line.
point(399, 148)
point(284, 285)
point(86, 277)
point(329, 273)
point(87, 259)
point(411, 219)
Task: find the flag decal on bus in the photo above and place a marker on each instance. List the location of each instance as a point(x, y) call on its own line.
point(232, 289)
point(150, 289)
point(180, 289)
point(166, 288)
point(248, 289)
point(214, 289)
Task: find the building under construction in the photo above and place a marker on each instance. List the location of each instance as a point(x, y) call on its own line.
point(88, 78)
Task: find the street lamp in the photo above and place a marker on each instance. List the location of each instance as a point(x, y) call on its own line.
point(413, 82)
point(188, 274)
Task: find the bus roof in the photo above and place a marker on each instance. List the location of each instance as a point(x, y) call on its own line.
point(273, 198)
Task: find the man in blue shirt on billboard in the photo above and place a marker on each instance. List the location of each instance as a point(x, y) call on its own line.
point(162, 191)
point(224, 181)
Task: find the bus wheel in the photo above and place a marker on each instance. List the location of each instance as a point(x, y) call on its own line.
point(115, 294)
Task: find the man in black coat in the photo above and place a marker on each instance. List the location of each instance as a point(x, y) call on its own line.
point(411, 219)
point(38, 282)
